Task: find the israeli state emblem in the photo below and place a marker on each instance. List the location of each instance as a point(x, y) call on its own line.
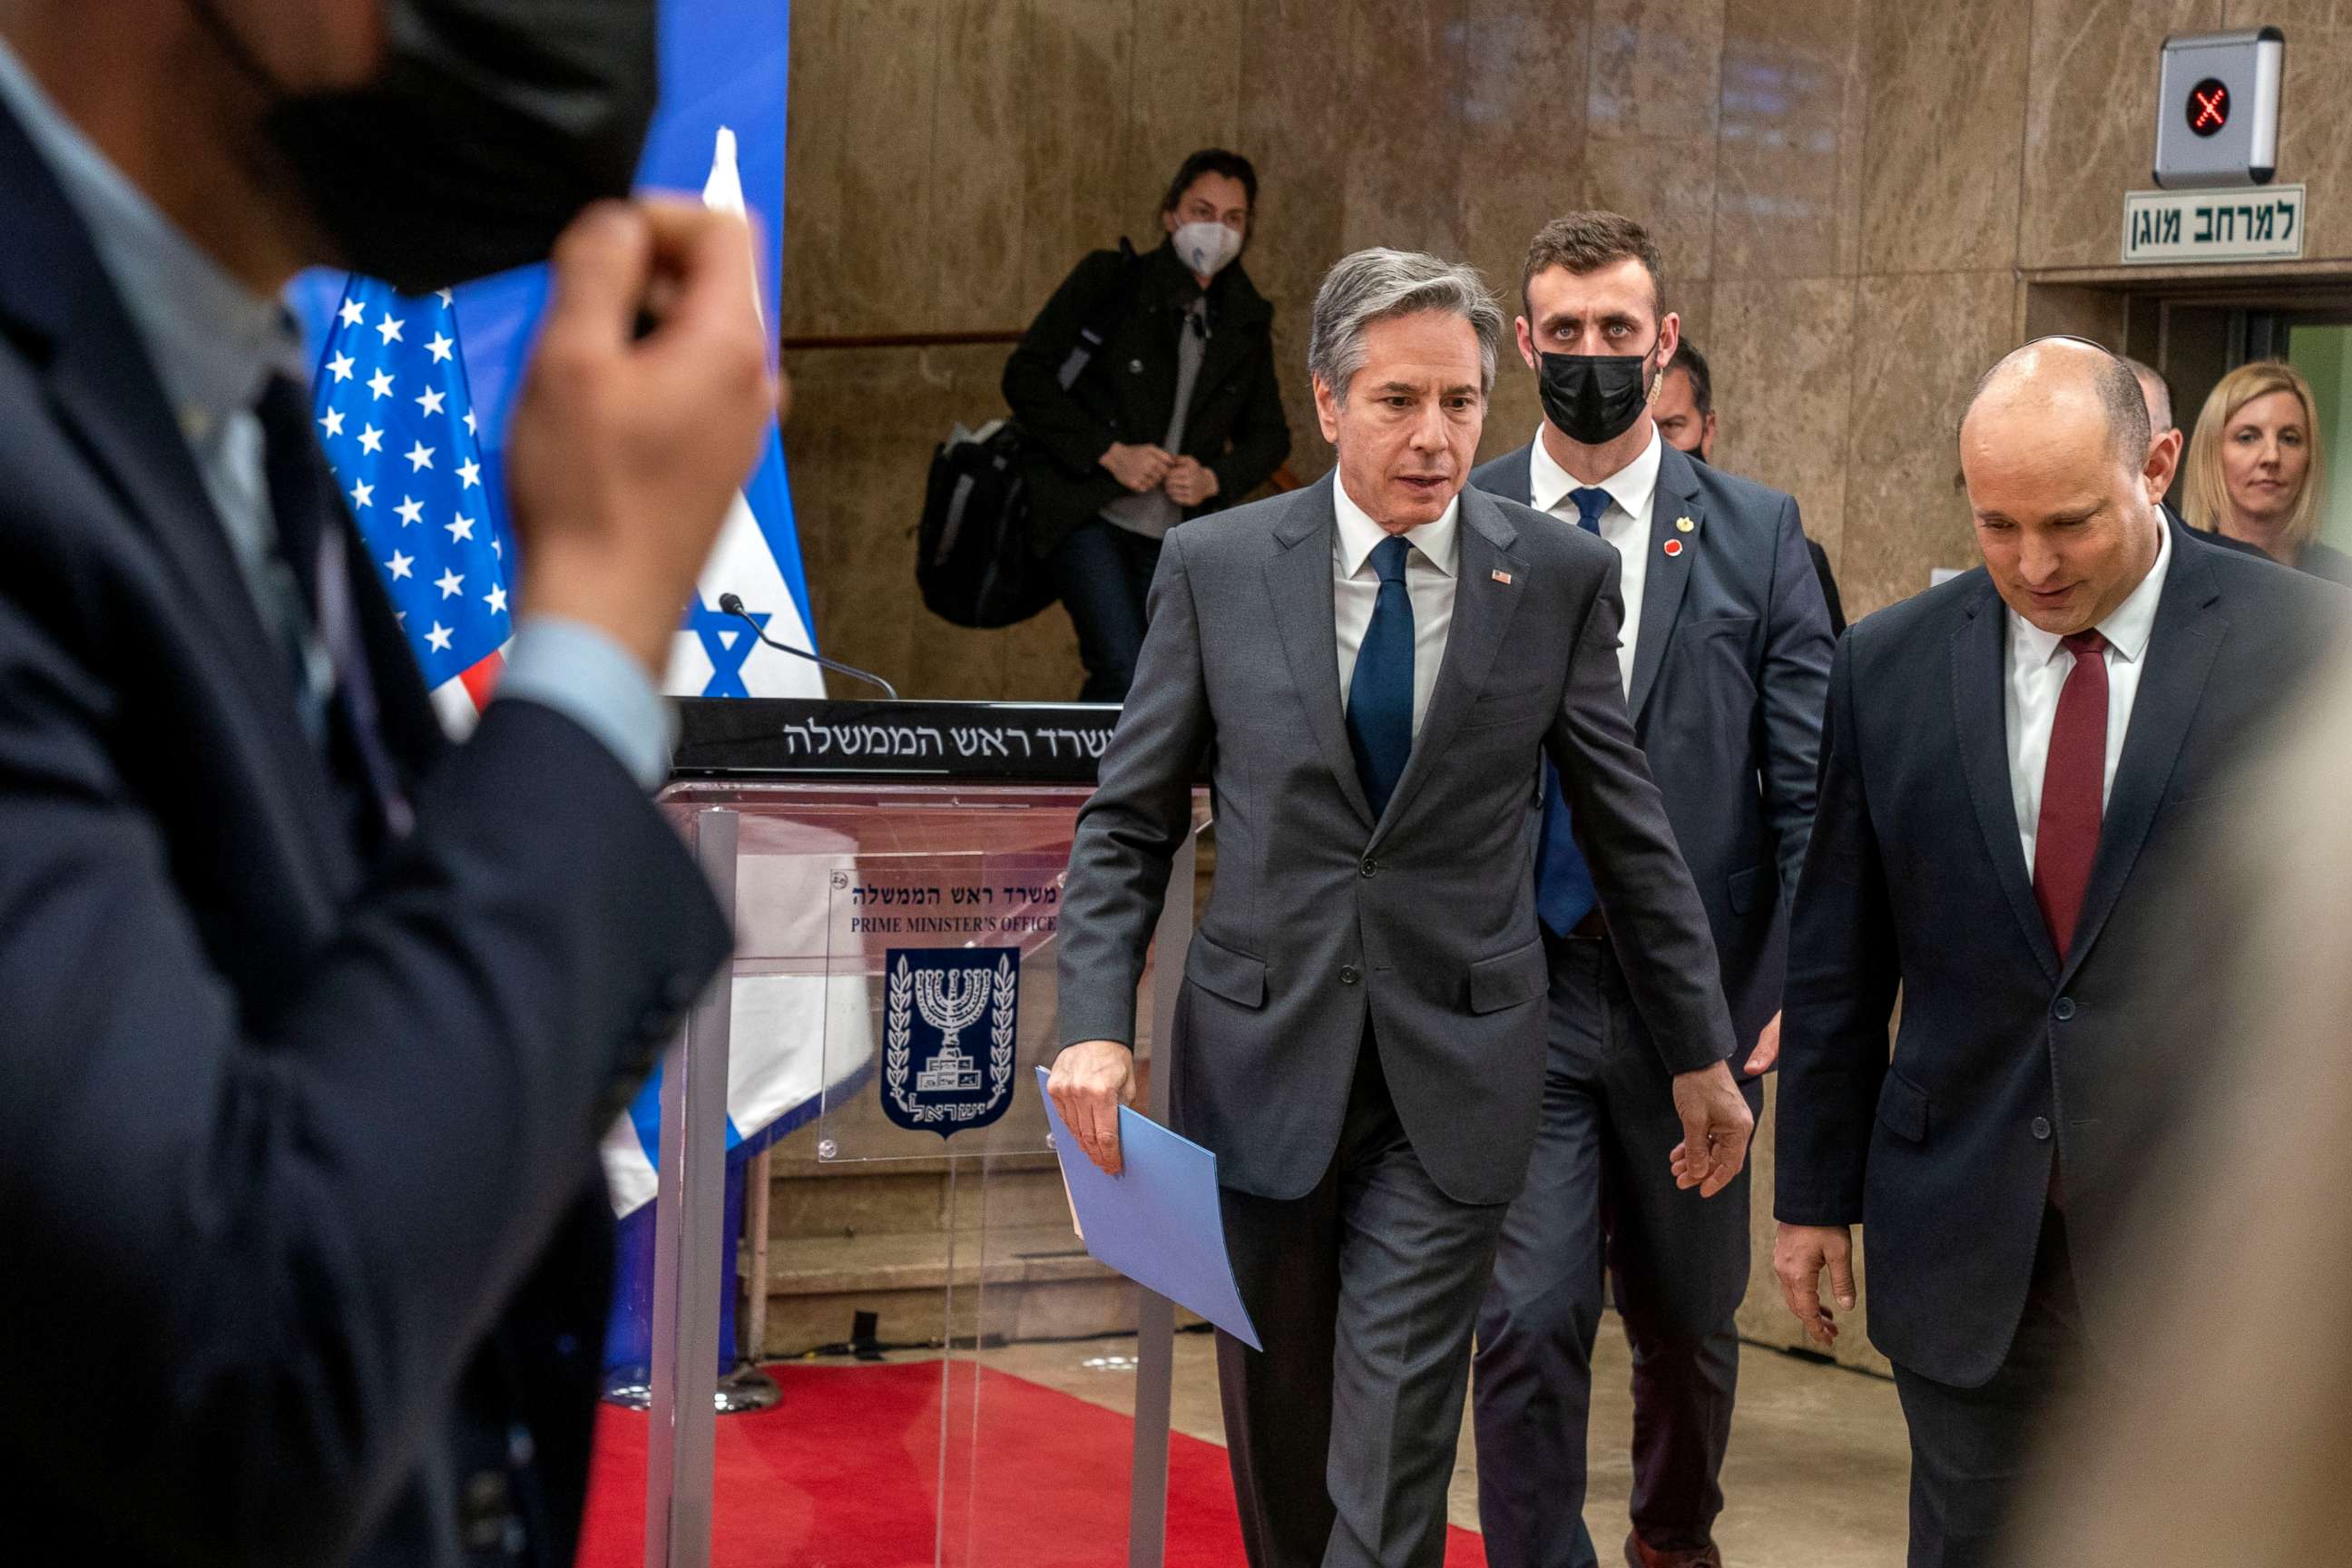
point(949, 1019)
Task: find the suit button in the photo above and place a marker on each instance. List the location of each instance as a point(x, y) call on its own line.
point(1371, 868)
point(2042, 1129)
point(2063, 1009)
point(484, 1512)
point(1349, 975)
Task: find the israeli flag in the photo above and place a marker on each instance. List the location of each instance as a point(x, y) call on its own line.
point(758, 559)
point(791, 1035)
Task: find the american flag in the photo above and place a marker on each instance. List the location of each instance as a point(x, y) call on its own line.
point(399, 431)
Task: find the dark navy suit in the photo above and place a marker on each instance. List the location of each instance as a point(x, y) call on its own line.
point(2011, 1057)
point(306, 1242)
point(1731, 667)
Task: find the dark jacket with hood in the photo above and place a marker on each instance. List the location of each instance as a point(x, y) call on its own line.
point(1128, 391)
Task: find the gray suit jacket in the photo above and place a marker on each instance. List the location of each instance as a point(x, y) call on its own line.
point(1730, 675)
point(1422, 921)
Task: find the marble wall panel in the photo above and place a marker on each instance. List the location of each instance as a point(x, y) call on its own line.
point(814, 140)
point(1403, 129)
point(1296, 126)
point(1947, 85)
point(2100, 315)
point(1074, 89)
point(863, 422)
point(1523, 92)
point(1186, 83)
point(1781, 351)
point(1853, 120)
point(873, 253)
point(1668, 187)
point(978, 281)
point(1788, 73)
point(2090, 124)
point(1920, 342)
point(1656, 67)
point(2293, 17)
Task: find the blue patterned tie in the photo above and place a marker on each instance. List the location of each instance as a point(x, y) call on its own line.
point(1564, 894)
point(1379, 694)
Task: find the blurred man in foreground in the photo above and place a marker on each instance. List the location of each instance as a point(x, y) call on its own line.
point(1379, 664)
point(2234, 1450)
point(314, 1020)
point(2004, 755)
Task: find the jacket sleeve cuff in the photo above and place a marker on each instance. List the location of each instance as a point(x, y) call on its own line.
point(589, 678)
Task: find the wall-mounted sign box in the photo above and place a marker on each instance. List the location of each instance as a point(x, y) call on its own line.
point(2217, 108)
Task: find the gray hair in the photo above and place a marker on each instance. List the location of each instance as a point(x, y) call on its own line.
point(1375, 285)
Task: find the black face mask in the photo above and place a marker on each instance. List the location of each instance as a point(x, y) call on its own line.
point(491, 124)
point(1592, 399)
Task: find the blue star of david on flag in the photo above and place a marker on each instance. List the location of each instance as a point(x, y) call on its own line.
point(726, 644)
point(398, 427)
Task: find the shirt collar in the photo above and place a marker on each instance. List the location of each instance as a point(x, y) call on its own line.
point(214, 341)
point(1630, 487)
point(1439, 542)
point(2128, 627)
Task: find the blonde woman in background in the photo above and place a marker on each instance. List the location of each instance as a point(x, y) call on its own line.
point(2252, 473)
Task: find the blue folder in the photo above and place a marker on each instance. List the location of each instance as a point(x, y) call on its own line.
point(1160, 1221)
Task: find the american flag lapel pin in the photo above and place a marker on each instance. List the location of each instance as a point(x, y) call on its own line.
point(1501, 576)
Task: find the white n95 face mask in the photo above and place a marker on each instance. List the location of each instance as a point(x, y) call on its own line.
point(1206, 247)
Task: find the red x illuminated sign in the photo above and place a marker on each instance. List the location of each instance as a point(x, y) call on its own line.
point(2209, 106)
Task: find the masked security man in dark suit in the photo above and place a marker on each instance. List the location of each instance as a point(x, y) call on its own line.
point(1380, 665)
point(2008, 760)
point(1725, 654)
point(312, 1020)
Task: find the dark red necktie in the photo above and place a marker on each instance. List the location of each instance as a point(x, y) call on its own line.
point(2072, 781)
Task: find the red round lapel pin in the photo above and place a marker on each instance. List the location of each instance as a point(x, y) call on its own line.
point(1674, 547)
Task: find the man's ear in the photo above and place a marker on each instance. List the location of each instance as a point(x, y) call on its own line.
point(1527, 337)
point(1327, 410)
point(2163, 462)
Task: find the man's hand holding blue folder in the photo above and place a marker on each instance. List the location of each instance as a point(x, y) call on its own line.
point(1151, 1211)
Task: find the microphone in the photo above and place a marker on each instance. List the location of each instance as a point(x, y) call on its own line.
point(733, 606)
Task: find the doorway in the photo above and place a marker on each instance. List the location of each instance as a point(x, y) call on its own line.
point(2197, 330)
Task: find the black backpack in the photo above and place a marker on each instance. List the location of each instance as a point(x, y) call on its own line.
point(973, 560)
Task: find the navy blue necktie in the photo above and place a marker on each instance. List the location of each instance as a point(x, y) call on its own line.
point(1380, 694)
point(1564, 894)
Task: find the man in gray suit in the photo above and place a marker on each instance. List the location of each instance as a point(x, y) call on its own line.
point(1360, 1035)
point(1725, 654)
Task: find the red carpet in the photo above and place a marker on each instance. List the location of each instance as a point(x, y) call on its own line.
point(844, 1474)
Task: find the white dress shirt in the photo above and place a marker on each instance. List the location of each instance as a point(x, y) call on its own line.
point(1626, 523)
point(2038, 668)
point(1429, 573)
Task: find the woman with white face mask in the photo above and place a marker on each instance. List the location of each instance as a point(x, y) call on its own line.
point(1175, 413)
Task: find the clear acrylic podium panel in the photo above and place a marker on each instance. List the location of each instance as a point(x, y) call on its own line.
point(895, 952)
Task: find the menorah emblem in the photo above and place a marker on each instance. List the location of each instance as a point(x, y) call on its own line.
point(951, 1001)
point(932, 998)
